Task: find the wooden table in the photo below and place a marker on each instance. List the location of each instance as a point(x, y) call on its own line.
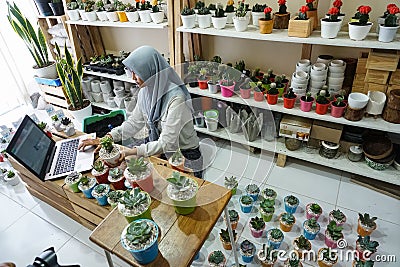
point(181, 236)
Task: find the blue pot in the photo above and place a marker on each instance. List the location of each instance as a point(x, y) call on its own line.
point(88, 192)
point(149, 254)
point(245, 209)
point(247, 259)
point(275, 245)
point(254, 196)
point(197, 256)
point(290, 209)
point(309, 235)
point(103, 199)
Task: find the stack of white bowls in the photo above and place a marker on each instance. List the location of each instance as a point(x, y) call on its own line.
point(299, 83)
point(319, 72)
point(336, 76)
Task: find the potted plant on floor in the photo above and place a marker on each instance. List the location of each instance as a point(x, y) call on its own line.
point(156, 14)
point(231, 183)
point(204, 18)
point(337, 216)
point(188, 17)
point(282, 17)
point(338, 107)
point(289, 99)
point(72, 180)
point(233, 218)
point(100, 192)
point(330, 25)
point(301, 26)
point(267, 209)
point(306, 102)
point(257, 13)
point(269, 194)
point(387, 31)
point(366, 224)
point(312, 13)
point(72, 11)
point(109, 152)
point(311, 228)
point(266, 23)
point(182, 190)
point(135, 204)
point(219, 19)
point(361, 263)
point(86, 185)
point(313, 210)
point(365, 247)
point(253, 190)
point(267, 256)
point(246, 203)
point(275, 238)
point(327, 257)
point(230, 11)
point(247, 251)
point(322, 103)
point(139, 172)
point(257, 226)
point(117, 179)
point(272, 94)
point(113, 197)
point(333, 233)
point(216, 259)
point(144, 11)
point(301, 245)
point(291, 204)
point(286, 221)
point(240, 20)
point(34, 41)
point(140, 238)
point(100, 172)
point(225, 238)
point(358, 30)
point(11, 178)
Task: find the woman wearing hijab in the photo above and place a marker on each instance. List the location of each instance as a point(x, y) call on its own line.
point(164, 105)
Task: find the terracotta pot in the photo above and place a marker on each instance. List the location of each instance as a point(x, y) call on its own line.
point(226, 245)
point(259, 96)
point(337, 112)
point(266, 26)
point(321, 109)
point(362, 231)
point(288, 102)
point(272, 99)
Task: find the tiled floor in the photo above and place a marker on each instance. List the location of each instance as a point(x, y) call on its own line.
point(28, 225)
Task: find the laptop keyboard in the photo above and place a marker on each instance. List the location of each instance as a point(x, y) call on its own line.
point(66, 157)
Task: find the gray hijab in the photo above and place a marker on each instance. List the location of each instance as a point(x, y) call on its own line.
point(162, 84)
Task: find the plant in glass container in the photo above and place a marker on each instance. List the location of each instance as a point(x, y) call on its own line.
point(358, 30)
point(330, 25)
point(301, 245)
point(113, 197)
point(301, 26)
point(333, 233)
point(100, 172)
point(286, 221)
point(233, 218)
point(247, 250)
point(338, 107)
point(311, 228)
point(365, 247)
point(291, 204)
point(282, 17)
point(289, 99)
point(257, 226)
point(337, 216)
point(272, 94)
point(387, 31)
point(313, 210)
point(182, 190)
point(366, 224)
point(188, 17)
point(322, 103)
point(135, 204)
point(267, 209)
point(219, 20)
point(275, 238)
point(204, 18)
point(312, 13)
point(144, 11)
point(230, 11)
point(266, 23)
point(225, 238)
point(100, 192)
point(216, 259)
point(231, 183)
point(86, 185)
point(139, 172)
point(246, 203)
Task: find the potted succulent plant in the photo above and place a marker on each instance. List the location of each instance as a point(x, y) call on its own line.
point(231, 183)
point(268, 193)
point(322, 103)
point(312, 13)
point(258, 93)
point(338, 107)
point(219, 19)
point(253, 190)
point(267, 209)
point(330, 25)
point(111, 10)
point(72, 180)
point(289, 99)
point(272, 94)
point(301, 26)
point(257, 226)
point(266, 24)
point(72, 11)
point(333, 233)
point(140, 238)
point(306, 102)
point(131, 13)
point(365, 247)
point(90, 14)
point(100, 10)
point(275, 237)
point(282, 17)
point(245, 89)
point(188, 17)
point(177, 160)
point(267, 256)
point(230, 11)
point(246, 203)
point(182, 190)
point(293, 262)
point(366, 224)
point(360, 28)
point(113, 197)
point(204, 18)
point(11, 178)
point(240, 20)
point(109, 152)
point(227, 85)
point(291, 204)
point(156, 14)
point(257, 12)
point(301, 245)
point(337, 216)
point(86, 185)
point(286, 221)
point(387, 31)
point(311, 228)
point(327, 257)
point(233, 218)
point(247, 250)
point(135, 204)
point(202, 79)
point(216, 259)
point(361, 263)
point(225, 238)
point(100, 193)
point(139, 172)
point(117, 179)
point(144, 11)
point(313, 210)
point(100, 172)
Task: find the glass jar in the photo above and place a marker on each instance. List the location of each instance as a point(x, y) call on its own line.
point(355, 153)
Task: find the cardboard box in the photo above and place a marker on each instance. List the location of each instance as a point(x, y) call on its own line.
point(295, 127)
point(326, 131)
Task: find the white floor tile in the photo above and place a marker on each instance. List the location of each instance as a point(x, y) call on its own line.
point(57, 218)
point(20, 194)
point(362, 199)
point(208, 150)
point(217, 176)
point(11, 211)
point(83, 236)
point(27, 238)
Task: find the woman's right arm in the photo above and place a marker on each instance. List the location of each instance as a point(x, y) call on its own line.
point(130, 127)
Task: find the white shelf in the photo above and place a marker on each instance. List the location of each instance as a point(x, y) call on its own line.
point(252, 33)
point(366, 122)
point(118, 24)
point(122, 77)
point(390, 175)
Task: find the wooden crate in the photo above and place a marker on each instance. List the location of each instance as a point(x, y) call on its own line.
point(359, 80)
point(392, 87)
point(377, 76)
point(300, 28)
point(54, 95)
point(395, 77)
point(375, 87)
point(87, 215)
point(382, 61)
point(358, 89)
point(361, 66)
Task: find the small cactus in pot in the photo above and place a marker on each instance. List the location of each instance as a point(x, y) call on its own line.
point(267, 209)
point(231, 183)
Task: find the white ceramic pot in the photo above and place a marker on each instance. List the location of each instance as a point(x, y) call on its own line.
point(335, 87)
point(335, 81)
point(73, 14)
point(144, 16)
point(102, 15)
point(317, 78)
point(337, 63)
point(229, 16)
point(49, 72)
point(219, 23)
point(188, 21)
point(303, 63)
point(376, 102)
point(157, 17)
point(95, 85)
point(323, 73)
point(306, 69)
point(213, 12)
point(319, 66)
point(164, 8)
point(105, 87)
point(112, 16)
point(340, 69)
point(97, 97)
point(387, 34)
point(119, 91)
point(299, 85)
point(256, 17)
point(82, 13)
point(117, 83)
point(357, 100)
point(240, 23)
point(380, 21)
point(110, 102)
point(88, 95)
point(317, 84)
point(13, 181)
point(330, 29)
point(79, 115)
point(336, 74)
point(86, 83)
point(212, 124)
point(91, 16)
point(106, 96)
point(359, 32)
point(204, 21)
point(132, 16)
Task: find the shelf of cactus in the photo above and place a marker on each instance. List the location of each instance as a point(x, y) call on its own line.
point(367, 122)
point(118, 24)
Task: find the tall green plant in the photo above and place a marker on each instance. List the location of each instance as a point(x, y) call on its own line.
point(34, 40)
point(70, 74)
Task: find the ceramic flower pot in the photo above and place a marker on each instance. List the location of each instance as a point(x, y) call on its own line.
point(203, 84)
point(157, 17)
point(272, 99)
point(245, 93)
point(132, 16)
point(376, 102)
point(288, 102)
point(219, 23)
point(306, 105)
point(122, 16)
point(204, 21)
point(245, 208)
point(82, 14)
point(144, 15)
point(240, 23)
point(188, 21)
point(310, 214)
point(281, 21)
point(387, 34)
point(309, 234)
point(227, 91)
point(73, 14)
point(101, 199)
point(266, 26)
point(329, 242)
point(256, 233)
point(256, 17)
point(101, 177)
point(87, 191)
point(330, 29)
point(363, 230)
point(321, 109)
point(112, 16)
point(102, 15)
point(337, 112)
point(359, 32)
point(258, 96)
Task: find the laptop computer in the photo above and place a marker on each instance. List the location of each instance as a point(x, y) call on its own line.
point(44, 157)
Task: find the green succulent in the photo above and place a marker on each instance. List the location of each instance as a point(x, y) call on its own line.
point(338, 215)
point(288, 218)
point(135, 199)
point(10, 174)
point(315, 208)
point(139, 232)
point(137, 166)
point(247, 247)
point(107, 143)
point(224, 234)
point(100, 189)
point(292, 200)
point(257, 223)
point(42, 125)
point(276, 234)
point(99, 166)
point(115, 196)
point(233, 215)
point(216, 257)
point(312, 223)
point(367, 220)
point(335, 231)
point(179, 180)
point(246, 200)
point(303, 243)
point(360, 263)
point(267, 205)
point(366, 243)
point(252, 189)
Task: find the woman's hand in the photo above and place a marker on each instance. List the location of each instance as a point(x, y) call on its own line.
point(90, 142)
point(125, 152)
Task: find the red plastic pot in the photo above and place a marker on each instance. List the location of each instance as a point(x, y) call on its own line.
point(102, 178)
point(321, 109)
point(203, 84)
point(272, 99)
point(259, 96)
point(245, 93)
point(337, 112)
point(120, 184)
point(304, 105)
point(289, 102)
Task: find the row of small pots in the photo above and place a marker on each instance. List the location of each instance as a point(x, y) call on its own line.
point(146, 16)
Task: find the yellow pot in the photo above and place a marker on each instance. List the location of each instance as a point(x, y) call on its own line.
point(122, 16)
point(266, 26)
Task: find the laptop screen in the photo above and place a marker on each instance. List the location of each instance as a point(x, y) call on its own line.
point(31, 147)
